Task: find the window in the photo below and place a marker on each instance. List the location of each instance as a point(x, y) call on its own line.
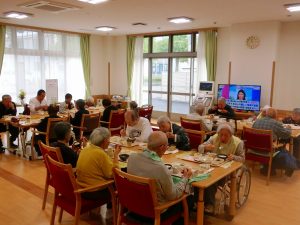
point(32, 56)
point(169, 67)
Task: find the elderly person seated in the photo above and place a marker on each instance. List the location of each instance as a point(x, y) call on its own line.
point(149, 164)
point(94, 164)
point(39, 102)
point(222, 109)
point(90, 102)
point(223, 142)
point(281, 159)
point(108, 107)
point(7, 107)
point(137, 127)
point(198, 115)
point(62, 132)
point(263, 112)
point(295, 119)
point(175, 133)
point(76, 121)
point(67, 104)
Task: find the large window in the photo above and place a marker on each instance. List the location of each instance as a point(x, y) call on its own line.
point(169, 65)
point(32, 56)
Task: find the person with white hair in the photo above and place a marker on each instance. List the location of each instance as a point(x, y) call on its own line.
point(137, 127)
point(90, 101)
point(198, 115)
point(175, 133)
point(150, 165)
point(222, 109)
point(94, 164)
point(223, 142)
point(263, 112)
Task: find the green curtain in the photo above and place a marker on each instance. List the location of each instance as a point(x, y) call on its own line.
point(130, 60)
point(2, 44)
point(211, 54)
point(86, 61)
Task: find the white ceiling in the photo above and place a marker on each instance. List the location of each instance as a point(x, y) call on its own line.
point(122, 13)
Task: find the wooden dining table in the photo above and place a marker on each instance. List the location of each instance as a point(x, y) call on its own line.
point(216, 174)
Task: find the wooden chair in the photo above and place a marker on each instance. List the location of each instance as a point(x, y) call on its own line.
point(190, 124)
point(196, 137)
point(116, 121)
point(146, 111)
point(259, 146)
point(67, 194)
point(89, 122)
point(55, 154)
point(138, 195)
point(49, 134)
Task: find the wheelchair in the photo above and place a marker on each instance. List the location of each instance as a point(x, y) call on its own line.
point(243, 179)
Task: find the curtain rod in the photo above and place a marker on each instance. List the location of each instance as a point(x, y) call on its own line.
point(41, 28)
point(173, 32)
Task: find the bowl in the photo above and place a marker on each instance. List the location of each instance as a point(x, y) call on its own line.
point(222, 156)
point(123, 157)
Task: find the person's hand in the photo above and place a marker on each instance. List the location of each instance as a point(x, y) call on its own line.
point(170, 135)
point(187, 172)
point(11, 105)
point(117, 151)
point(45, 107)
point(84, 141)
point(123, 133)
point(223, 110)
point(209, 147)
point(230, 157)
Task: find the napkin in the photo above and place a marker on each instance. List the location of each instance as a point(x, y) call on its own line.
point(199, 177)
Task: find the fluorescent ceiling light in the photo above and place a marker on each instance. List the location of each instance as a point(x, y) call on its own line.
point(181, 19)
point(293, 7)
point(17, 15)
point(93, 1)
point(105, 28)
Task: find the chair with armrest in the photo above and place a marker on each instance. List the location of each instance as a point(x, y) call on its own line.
point(89, 122)
point(67, 194)
point(116, 121)
point(196, 137)
point(190, 124)
point(138, 195)
point(146, 111)
point(55, 154)
point(259, 147)
point(49, 134)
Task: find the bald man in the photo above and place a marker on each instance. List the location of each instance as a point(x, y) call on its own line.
point(137, 127)
point(149, 164)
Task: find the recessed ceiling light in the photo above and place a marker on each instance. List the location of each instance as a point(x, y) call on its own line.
point(93, 1)
point(105, 28)
point(181, 19)
point(17, 15)
point(293, 7)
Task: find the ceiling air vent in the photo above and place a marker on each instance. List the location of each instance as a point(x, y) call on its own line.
point(49, 6)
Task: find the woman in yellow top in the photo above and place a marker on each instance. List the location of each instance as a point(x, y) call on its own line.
point(94, 164)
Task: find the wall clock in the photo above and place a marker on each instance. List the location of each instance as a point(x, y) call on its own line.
point(252, 42)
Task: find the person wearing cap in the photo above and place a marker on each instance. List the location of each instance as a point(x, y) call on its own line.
point(294, 119)
point(223, 142)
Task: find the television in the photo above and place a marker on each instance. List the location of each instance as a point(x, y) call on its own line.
point(241, 97)
point(207, 87)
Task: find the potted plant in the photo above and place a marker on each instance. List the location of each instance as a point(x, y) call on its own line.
point(21, 96)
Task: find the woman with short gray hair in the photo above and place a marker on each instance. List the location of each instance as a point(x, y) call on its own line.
point(94, 164)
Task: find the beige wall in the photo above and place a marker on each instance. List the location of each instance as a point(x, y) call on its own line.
point(105, 49)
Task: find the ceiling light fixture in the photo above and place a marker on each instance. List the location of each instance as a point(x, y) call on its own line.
point(17, 15)
point(293, 7)
point(181, 19)
point(93, 1)
point(105, 28)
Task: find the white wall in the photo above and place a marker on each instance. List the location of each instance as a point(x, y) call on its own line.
point(105, 49)
point(287, 78)
point(248, 66)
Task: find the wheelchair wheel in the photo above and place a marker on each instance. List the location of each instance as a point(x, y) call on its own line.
point(243, 186)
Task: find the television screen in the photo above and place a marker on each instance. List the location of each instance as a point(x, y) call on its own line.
point(206, 86)
point(242, 97)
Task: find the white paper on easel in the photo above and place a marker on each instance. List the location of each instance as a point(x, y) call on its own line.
point(52, 91)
